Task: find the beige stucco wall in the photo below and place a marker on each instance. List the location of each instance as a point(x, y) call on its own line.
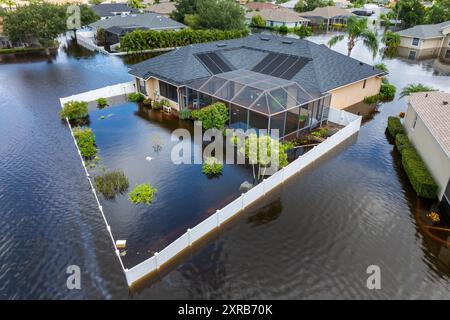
point(433, 155)
point(349, 95)
point(406, 42)
point(152, 85)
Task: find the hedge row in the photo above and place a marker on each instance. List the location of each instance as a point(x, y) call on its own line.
point(395, 126)
point(416, 170)
point(139, 40)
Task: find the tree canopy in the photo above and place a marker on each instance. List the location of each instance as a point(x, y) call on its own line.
point(41, 21)
point(210, 14)
point(309, 5)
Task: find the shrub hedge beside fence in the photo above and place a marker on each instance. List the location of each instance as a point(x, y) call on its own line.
point(416, 170)
point(139, 40)
point(395, 126)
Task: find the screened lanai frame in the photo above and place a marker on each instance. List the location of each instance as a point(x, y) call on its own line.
point(259, 101)
point(254, 91)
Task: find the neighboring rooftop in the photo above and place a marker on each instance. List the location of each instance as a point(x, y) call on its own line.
point(434, 110)
point(425, 30)
point(320, 69)
point(261, 5)
point(148, 20)
point(112, 9)
point(327, 12)
point(164, 8)
point(278, 14)
point(289, 4)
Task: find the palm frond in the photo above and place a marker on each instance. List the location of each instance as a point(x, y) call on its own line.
point(335, 40)
point(414, 87)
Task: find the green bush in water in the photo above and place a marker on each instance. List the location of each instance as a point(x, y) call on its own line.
point(142, 193)
point(112, 183)
point(85, 141)
point(74, 110)
point(212, 167)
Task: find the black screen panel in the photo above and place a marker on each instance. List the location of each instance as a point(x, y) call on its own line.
point(294, 69)
point(284, 66)
point(219, 62)
point(264, 62)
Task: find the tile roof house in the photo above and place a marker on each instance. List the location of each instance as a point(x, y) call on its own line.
point(427, 123)
point(162, 8)
point(261, 78)
point(327, 15)
point(107, 10)
point(426, 41)
point(257, 6)
point(278, 17)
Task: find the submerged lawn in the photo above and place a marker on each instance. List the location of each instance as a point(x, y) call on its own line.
point(125, 137)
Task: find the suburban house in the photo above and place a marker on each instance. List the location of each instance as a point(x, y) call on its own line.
point(278, 17)
point(265, 81)
point(108, 10)
point(289, 4)
point(116, 27)
point(162, 8)
point(292, 3)
point(327, 15)
point(427, 123)
point(426, 41)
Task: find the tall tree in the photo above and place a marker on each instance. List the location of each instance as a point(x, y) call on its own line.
point(357, 29)
point(410, 12)
point(309, 5)
point(220, 14)
point(183, 8)
point(439, 12)
point(413, 87)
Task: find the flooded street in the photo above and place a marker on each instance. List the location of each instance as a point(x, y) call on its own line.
point(313, 238)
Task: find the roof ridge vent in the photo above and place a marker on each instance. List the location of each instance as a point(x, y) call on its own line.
point(445, 103)
point(221, 44)
point(263, 38)
point(288, 41)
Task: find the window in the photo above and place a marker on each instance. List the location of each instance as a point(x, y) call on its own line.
point(415, 41)
point(412, 55)
point(142, 88)
point(447, 54)
point(414, 121)
point(168, 91)
point(364, 83)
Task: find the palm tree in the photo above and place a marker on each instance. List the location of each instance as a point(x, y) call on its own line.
point(413, 87)
point(357, 29)
point(9, 3)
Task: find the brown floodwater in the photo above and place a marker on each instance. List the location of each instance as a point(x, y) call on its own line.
point(312, 238)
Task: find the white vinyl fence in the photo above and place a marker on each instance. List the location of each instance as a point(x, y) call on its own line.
point(105, 92)
point(352, 125)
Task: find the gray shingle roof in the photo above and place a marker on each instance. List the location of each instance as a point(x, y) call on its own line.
point(425, 30)
point(326, 70)
point(107, 9)
point(148, 20)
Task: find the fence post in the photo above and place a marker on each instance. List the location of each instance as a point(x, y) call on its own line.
point(189, 237)
point(242, 201)
point(218, 218)
point(264, 186)
point(156, 260)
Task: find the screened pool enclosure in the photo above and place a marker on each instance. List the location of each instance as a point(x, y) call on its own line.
point(259, 101)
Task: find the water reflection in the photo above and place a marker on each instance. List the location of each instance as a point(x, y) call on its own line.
point(267, 214)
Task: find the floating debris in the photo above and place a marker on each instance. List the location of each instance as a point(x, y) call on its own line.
point(245, 186)
point(148, 158)
point(121, 244)
point(433, 216)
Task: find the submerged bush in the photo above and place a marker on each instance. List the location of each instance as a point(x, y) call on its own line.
point(101, 103)
point(136, 97)
point(402, 142)
point(142, 193)
point(74, 110)
point(85, 141)
point(147, 102)
point(112, 183)
point(387, 92)
point(185, 114)
point(418, 174)
point(395, 126)
point(371, 99)
point(212, 166)
point(212, 116)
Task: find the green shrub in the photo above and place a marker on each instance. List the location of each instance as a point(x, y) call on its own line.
point(283, 29)
point(395, 126)
point(212, 166)
point(185, 114)
point(258, 21)
point(111, 183)
point(147, 102)
point(402, 142)
point(151, 39)
point(418, 174)
point(212, 116)
point(156, 105)
point(387, 92)
point(74, 110)
point(371, 99)
point(136, 97)
point(303, 31)
point(142, 193)
point(85, 141)
point(101, 103)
